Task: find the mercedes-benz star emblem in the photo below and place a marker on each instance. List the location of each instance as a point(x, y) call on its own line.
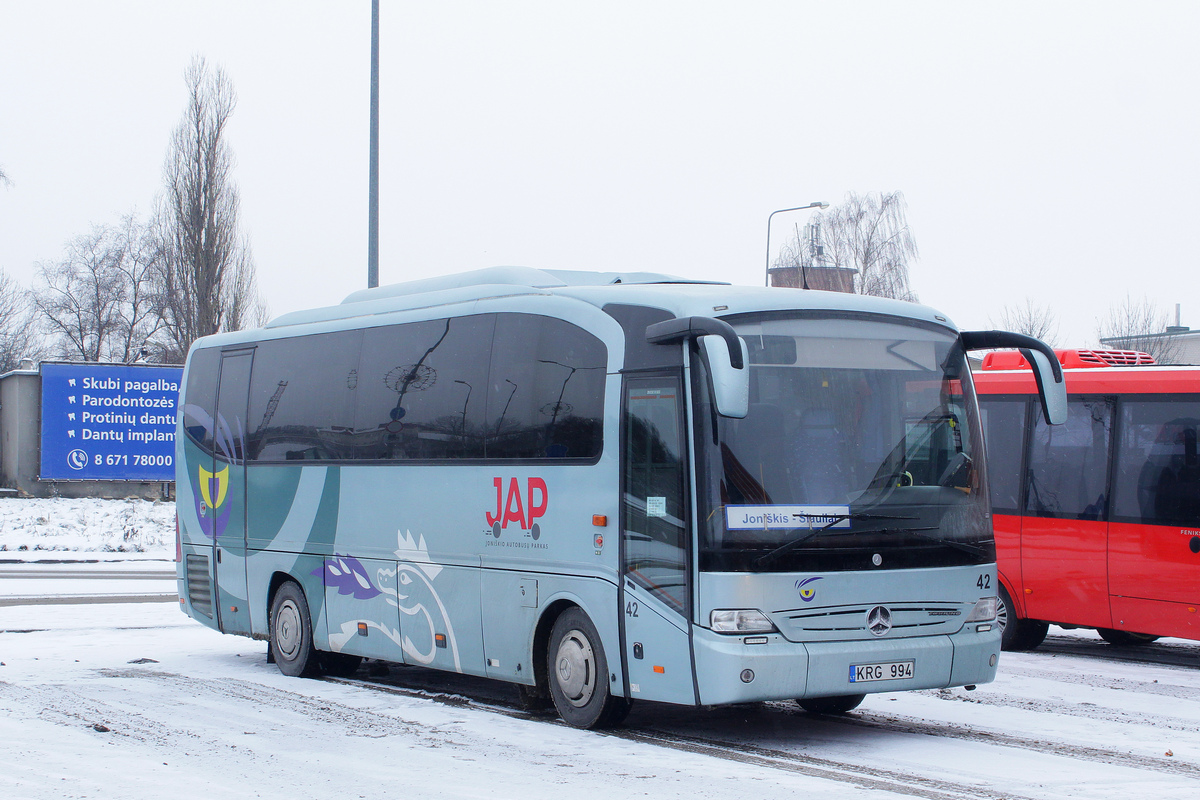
point(879, 620)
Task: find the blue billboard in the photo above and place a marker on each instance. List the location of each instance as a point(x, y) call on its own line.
point(109, 422)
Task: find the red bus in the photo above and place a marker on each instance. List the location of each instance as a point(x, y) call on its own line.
point(1097, 521)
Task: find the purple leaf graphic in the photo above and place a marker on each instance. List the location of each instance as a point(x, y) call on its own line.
point(348, 575)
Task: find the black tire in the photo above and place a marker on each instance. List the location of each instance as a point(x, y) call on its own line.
point(1017, 634)
point(533, 698)
point(291, 633)
point(1125, 637)
point(577, 673)
point(831, 705)
point(339, 665)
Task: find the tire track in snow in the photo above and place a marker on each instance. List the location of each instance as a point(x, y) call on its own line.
point(913, 725)
point(892, 723)
point(1103, 682)
point(62, 704)
point(863, 776)
point(1179, 655)
point(315, 711)
point(1078, 710)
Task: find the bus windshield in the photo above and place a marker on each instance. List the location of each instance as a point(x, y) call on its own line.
point(861, 451)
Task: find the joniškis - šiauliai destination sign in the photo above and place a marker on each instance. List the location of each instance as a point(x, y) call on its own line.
point(111, 422)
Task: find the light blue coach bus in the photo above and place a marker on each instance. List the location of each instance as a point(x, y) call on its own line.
point(601, 487)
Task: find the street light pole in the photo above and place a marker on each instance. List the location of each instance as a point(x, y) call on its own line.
point(767, 272)
point(373, 181)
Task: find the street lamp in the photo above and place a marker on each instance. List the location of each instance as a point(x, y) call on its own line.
point(767, 273)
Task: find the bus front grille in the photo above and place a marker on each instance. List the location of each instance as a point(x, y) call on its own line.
point(199, 587)
point(850, 622)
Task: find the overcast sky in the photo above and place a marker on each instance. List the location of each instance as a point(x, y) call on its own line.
point(1046, 149)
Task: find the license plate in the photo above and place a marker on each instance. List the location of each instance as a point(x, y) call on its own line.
point(888, 671)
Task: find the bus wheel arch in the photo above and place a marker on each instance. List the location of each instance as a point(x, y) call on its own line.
point(577, 673)
point(1016, 632)
point(537, 697)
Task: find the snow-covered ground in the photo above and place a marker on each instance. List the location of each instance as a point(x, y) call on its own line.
point(39, 529)
point(138, 701)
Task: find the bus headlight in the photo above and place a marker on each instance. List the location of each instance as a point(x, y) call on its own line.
point(983, 611)
point(740, 620)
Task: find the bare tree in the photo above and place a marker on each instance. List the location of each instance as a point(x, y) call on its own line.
point(868, 233)
point(139, 327)
point(1031, 320)
point(1139, 325)
point(96, 302)
point(205, 273)
point(20, 338)
point(79, 297)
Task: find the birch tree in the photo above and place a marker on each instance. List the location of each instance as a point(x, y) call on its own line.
point(868, 233)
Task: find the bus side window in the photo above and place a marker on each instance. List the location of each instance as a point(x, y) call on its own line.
point(200, 397)
point(300, 397)
point(546, 390)
point(1158, 467)
point(655, 517)
point(421, 388)
point(1004, 434)
point(232, 393)
point(1068, 464)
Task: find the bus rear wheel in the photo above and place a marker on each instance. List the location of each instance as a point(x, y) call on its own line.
point(577, 672)
point(291, 633)
point(1125, 637)
point(1017, 633)
point(831, 705)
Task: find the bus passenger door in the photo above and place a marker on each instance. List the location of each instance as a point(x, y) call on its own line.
point(225, 493)
point(655, 591)
point(1154, 531)
point(1064, 535)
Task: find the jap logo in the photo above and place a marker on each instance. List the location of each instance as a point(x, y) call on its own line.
point(522, 508)
point(807, 591)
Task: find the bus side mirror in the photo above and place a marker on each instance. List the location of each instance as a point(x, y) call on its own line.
point(728, 369)
point(730, 384)
point(1047, 372)
point(1052, 392)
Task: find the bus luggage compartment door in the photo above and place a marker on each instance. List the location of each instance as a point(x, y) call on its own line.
point(658, 653)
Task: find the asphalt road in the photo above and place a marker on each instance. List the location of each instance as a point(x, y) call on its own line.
point(87, 583)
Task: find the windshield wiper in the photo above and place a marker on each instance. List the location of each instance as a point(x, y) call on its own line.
point(973, 549)
point(767, 558)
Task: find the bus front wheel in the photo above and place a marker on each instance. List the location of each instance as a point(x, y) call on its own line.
point(1017, 633)
point(291, 633)
point(577, 672)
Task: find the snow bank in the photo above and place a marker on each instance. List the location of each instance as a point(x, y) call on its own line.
point(32, 528)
